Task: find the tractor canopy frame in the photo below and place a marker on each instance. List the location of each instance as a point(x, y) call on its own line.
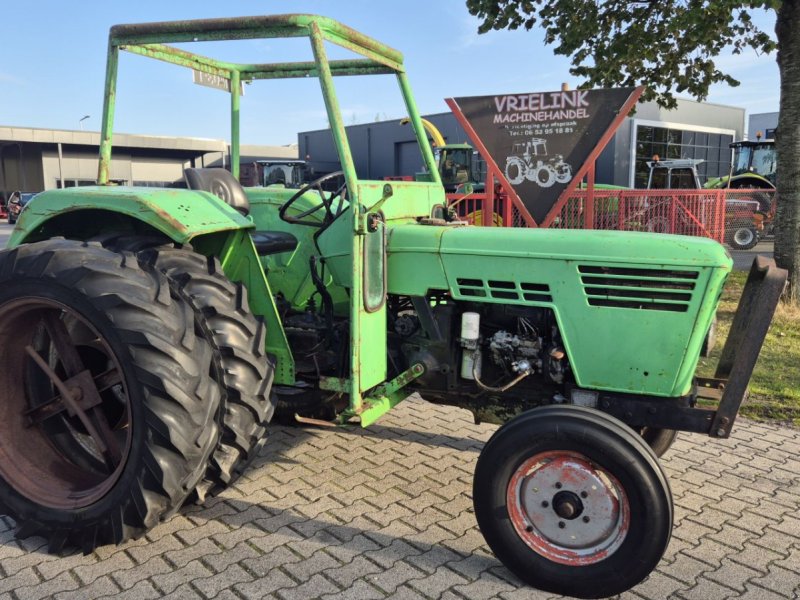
point(152, 39)
point(368, 323)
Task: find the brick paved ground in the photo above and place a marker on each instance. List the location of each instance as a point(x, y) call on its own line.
point(387, 513)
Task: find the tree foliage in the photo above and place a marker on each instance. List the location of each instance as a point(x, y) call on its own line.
point(668, 45)
point(672, 46)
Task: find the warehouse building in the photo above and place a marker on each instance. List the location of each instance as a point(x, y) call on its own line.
point(692, 130)
point(33, 159)
point(763, 123)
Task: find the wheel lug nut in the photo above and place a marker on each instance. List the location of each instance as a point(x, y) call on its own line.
point(561, 525)
point(558, 485)
point(584, 494)
point(585, 519)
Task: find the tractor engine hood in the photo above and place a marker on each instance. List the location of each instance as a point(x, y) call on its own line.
point(420, 258)
point(664, 288)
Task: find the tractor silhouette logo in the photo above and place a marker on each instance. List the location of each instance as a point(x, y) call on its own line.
point(529, 161)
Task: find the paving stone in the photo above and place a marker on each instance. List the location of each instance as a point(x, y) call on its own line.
point(25, 577)
point(211, 586)
point(708, 590)
point(733, 575)
point(143, 590)
point(88, 573)
point(399, 574)
point(316, 563)
point(102, 586)
point(360, 590)
point(435, 584)
point(166, 583)
point(264, 587)
point(753, 592)
point(127, 578)
point(487, 586)
point(396, 521)
point(315, 587)
point(659, 585)
point(780, 580)
point(345, 575)
point(184, 592)
point(45, 589)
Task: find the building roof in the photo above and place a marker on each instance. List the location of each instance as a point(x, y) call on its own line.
point(10, 133)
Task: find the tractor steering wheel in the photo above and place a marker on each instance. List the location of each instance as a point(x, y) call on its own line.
point(326, 202)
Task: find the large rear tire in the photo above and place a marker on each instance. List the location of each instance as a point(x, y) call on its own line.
point(240, 364)
point(82, 319)
point(573, 502)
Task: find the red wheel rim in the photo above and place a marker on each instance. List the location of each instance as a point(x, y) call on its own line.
point(567, 508)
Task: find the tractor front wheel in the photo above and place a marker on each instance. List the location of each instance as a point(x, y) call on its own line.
point(573, 502)
point(743, 238)
point(107, 420)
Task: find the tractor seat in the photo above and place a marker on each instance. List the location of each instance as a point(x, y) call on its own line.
point(224, 186)
point(273, 242)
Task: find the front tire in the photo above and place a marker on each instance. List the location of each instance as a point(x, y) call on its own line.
point(73, 307)
point(743, 238)
point(573, 502)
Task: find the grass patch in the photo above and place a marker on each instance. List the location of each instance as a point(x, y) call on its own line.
point(775, 384)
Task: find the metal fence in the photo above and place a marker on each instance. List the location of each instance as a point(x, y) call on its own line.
point(736, 217)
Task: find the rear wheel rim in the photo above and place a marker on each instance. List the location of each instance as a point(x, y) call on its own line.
point(567, 508)
point(62, 459)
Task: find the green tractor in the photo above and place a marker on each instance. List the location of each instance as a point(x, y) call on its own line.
point(149, 334)
point(754, 166)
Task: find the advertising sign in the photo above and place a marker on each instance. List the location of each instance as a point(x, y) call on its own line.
point(539, 141)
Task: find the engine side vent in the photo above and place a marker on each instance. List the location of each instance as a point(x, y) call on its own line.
point(504, 290)
point(644, 289)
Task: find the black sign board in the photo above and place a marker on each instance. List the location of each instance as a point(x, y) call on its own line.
point(540, 140)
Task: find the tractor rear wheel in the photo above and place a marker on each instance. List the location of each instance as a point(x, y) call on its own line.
point(107, 420)
point(239, 365)
point(573, 502)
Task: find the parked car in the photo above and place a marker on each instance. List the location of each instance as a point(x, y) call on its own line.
point(16, 203)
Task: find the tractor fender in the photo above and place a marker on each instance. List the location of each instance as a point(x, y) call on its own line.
point(83, 212)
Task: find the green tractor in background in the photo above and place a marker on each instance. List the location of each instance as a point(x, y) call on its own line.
point(147, 336)
point(754, 166)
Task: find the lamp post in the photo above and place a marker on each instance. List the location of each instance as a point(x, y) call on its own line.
point(82, 119)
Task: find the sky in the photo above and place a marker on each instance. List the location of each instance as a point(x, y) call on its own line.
point(52, 67)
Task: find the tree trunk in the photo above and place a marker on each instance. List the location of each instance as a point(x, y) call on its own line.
point(787, 144)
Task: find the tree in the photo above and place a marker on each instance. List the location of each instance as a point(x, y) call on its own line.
point(671, 47)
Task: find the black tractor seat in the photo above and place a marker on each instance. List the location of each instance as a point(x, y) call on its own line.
point(224, 186)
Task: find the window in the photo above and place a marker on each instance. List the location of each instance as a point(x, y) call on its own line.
point(674, 143)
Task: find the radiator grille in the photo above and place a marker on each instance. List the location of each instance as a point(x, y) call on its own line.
point(504, 290)
point(645, 289)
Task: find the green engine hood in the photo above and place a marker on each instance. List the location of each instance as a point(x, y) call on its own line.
point(632, 308)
